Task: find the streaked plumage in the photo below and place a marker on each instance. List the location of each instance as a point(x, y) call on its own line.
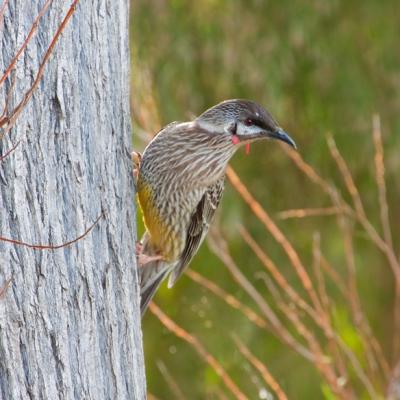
point(181, 181)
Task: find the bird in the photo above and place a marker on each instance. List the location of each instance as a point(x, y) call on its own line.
point(180, 182)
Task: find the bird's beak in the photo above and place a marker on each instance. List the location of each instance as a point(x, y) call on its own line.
point(280, 134)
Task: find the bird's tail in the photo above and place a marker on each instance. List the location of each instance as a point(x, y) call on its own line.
point(147, 293)
point(151, 275)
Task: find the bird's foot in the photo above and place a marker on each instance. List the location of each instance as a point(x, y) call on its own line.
point(144, 259)
point(139, 248)
point(136, 158)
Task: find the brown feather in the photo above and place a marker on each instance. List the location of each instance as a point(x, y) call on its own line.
point(198, 227)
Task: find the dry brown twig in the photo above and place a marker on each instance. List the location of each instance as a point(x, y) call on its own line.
point(8, 152)
point(218, 246)
point(362, 218)
point(380, 179)
point(359, 213)
point(272, 268)
point(259, 212)
point(50, 246)
point(196, 344)
point(232, 301)
point(8, 98)
point(261, 368)
point(267, 221)
point(325, 364)
point(308, 212)
point(170, 380)
point(26, 41)
point(319, 276)
point(10, 120)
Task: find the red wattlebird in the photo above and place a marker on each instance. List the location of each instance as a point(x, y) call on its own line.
point(181, 180)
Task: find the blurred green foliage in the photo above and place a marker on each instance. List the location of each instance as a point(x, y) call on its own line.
point(319, 66)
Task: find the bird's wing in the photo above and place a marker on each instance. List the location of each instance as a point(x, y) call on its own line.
point(198, 227)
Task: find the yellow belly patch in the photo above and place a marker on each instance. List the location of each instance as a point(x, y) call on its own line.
point(162, 237)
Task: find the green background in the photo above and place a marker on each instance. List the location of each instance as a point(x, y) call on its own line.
point(320, 67)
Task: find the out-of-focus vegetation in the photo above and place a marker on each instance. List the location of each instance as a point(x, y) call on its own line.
point(322, 68)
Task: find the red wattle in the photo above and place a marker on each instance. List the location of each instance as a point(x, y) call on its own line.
point(235, 139)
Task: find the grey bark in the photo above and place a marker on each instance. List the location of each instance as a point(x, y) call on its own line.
point(69, 321)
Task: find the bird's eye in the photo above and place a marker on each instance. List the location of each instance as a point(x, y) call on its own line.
point(249, 122)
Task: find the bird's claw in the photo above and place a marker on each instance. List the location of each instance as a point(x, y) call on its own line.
point(139, 248)
point(136, 158)
point(143, 259)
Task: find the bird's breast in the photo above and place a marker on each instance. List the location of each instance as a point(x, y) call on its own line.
point(167, 211)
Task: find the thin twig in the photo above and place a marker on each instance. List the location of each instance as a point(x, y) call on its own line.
point(310, 172)
point(321, 364)
point(326, 302)
point(219, 248)
point(8, 152)
point(360, 216)
point(3, 116)
point(319, 276)
point(196, 344)
point(359, 318)
point(26, 41)
point(272, 268)
point(348, 179)
point(332, 273)
point(169, 379)
point(228, 298)
point(380, 179)
point(261, 368)
point(50, 246)
point(308, 212)
point(18, 109)
point(375, 237)
point(263, 216)
point(323, 323)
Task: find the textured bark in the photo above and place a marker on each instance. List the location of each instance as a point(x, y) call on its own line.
point(69, 321)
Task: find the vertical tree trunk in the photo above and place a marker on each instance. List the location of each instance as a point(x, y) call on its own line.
point(69, 320)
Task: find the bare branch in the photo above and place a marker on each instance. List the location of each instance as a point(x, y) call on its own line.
point(263, 216)
point(18, 109)
point(50, 246)
point(169, 379)
point(261, 368)
point(26, 41)
point(8, 152)
point(380, 179)
point(204, 354)
point(219, 248)
point(228, 298)
point(308, 212)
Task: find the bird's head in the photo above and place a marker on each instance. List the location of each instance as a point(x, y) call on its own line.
point(243, 121)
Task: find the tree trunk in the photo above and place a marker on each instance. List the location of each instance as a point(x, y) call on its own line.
point(69, 320)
